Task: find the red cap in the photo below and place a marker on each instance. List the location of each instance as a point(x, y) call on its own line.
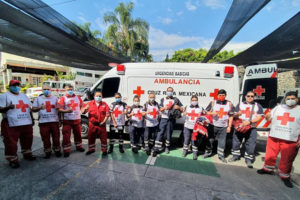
point(13, 82)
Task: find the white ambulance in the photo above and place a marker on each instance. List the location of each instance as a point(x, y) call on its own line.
point(187, 79)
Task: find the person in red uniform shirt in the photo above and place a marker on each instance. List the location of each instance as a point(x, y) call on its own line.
point(46, 105)
point(70, 106)
point(284, 138)
point(16, 123)
point(98, 112)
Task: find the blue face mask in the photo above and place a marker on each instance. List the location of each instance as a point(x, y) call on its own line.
point(118, 100)
point(170, 94)
point(15, 89)
point(46, 93)
point(98, 99)
point(70, 92)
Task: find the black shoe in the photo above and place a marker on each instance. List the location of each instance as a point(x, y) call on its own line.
point(233, 159)
point(111, 148)
point(104, 153)
point(184, 153)
point(14, 165)
point(287, 182)
point(148, 152)
point(195, 156)
point(58, 154)
point(135, 150)
point(121, 149)
point(249, 164)
point(167, 150)
point(262, 171)
point(89, 152)
point(47, 156)
point(154, 154)
point(66, 154)
point(80, 149)
point(222, 159)
point(206, 155)
point(30, 158)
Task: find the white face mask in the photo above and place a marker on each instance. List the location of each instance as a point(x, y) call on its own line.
point(136, 103)
point(151, 99)
point(291, 102)
point(194, 103)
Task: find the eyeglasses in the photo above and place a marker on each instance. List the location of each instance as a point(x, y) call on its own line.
point(250, 96)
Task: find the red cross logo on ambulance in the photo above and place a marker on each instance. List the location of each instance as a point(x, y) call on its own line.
point(214, 94)
point(139, 91)
point(259, 90)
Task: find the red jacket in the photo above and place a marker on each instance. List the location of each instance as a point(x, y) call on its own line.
point(97, 113)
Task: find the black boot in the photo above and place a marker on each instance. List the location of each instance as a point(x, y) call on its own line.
point(47, 155)
point(58, 154)
point(111, 148)
point(287, 182)
point(262, 171)
point(80, 149)
point(135, 150)
point(195, 156)
point(14, 165)
point(184, 153)
point(167, 150)
point(66, 154)
point(30, 158)
point(121, 148)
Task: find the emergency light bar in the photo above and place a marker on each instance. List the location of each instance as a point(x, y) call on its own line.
point(120, 69)
point(228, 71)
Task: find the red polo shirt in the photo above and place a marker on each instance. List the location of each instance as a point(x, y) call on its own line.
point(97, 113)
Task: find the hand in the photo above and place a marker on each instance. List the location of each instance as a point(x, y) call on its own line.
point(86, 107)
point(240, 113)
point(162, 108)
point(70, 110)
point(228, 129)
point(214, 114)
point(246, 123)
point(102, 123)
point(11, 106)
point(43, 107)
point(176, 107)
point(148, 112)
point(166, 108)
point(115, 125)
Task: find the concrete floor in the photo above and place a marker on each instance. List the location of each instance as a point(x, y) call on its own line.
point(130, 176)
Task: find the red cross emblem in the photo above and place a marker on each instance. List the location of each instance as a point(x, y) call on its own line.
point(49, 106)
point(285, 118)
point(259, 90)
point(138, 114)
point(247, 112)
point(22, 106)
point(117, 112)
point(154, 113)
point(139, 91)
point(170, 104)
point(72, 105)
point(214, 94)
point(221, 113)
point(193, 115)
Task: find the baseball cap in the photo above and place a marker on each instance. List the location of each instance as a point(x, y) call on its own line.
point(14, 82)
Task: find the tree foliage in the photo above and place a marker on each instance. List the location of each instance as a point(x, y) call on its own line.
point(192, 55)
point(126, 34)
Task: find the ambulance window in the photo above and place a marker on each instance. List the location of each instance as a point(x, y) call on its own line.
point(110, 86)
